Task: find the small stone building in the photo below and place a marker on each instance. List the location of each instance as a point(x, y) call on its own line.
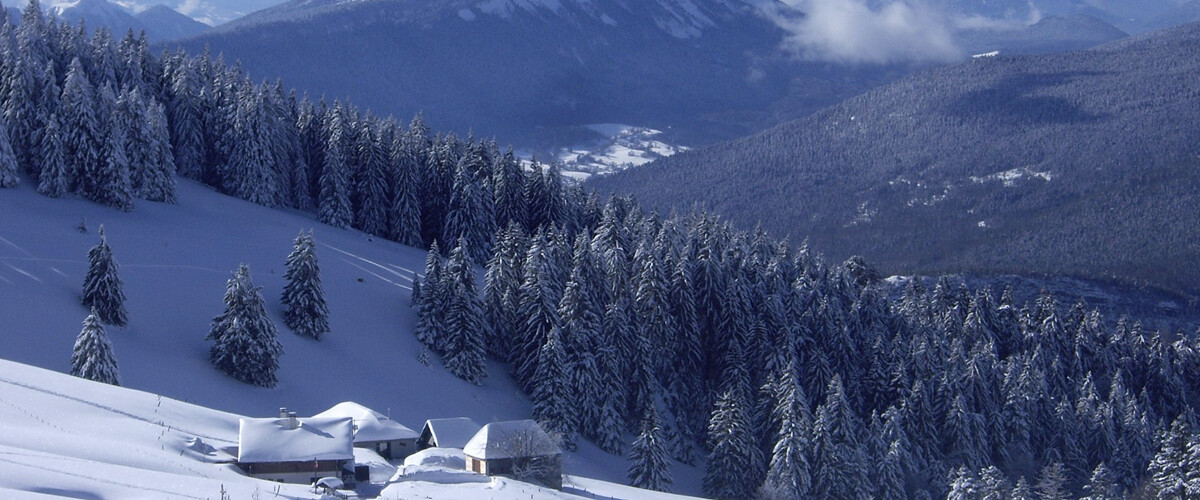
point(295, 450)
point(519, 448)
point(447, 432)
point(375, 431)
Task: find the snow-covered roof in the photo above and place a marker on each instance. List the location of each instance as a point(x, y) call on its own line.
point(370, 425)
point(451, 432)
point(512, 439)
point(274, 439)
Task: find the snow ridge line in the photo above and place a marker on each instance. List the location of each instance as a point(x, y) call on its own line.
point(109, 409)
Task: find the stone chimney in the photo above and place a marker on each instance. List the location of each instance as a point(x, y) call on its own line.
point(283, 413)
point(293, 422)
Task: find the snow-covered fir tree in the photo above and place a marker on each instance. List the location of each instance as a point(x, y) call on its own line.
point(9, 171)
point(733, 449)
point(53, 174)
point(649, 464)
point(553, 407)
point(304, 309)
point(103, 290)
point(464, 329)
point(92, 357)
point(430, 302)
point(245, 343)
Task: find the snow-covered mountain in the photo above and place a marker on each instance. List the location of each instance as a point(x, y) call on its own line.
point(166, 23)
point(161, 23)
point(175, 261)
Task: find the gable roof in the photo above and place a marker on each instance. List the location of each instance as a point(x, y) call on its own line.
point(370, 425)
point(274, 440)
point(512, 439)
point(449, 432)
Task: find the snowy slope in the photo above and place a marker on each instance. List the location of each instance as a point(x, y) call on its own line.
point(175, 260)
point(67, 437)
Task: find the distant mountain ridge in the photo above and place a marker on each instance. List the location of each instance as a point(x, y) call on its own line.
point(534, 72)
point(161, 23)
point(1067, 164)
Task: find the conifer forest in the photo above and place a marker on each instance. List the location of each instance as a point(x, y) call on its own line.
point(658, 336)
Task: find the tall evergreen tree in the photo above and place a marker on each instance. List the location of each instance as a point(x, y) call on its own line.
point(9, 172)
point(733, 449)
point(430, 302)
point(788, 475)
point(245, 343)
point(1175, 469)
point(464, 349)
point(334, 198)
point(648, 461)
point(304, 309)
point(552, 406)
point(53, 176)
point(92, 357)
point(83, 135)
point(103, 290)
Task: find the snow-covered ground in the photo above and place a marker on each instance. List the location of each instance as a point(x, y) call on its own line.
point(617, 148)
point(175, 260)
point(68, 437)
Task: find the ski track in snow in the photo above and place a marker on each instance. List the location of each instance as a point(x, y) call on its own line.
point(22, 271)
point(14, 245)
point(394, 270)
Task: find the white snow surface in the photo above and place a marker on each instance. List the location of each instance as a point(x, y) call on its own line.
point(451, 432)
point(64, 436)
point(618, 148)
point(276, 440)
point(369, 425)
point(446, 458)
point(494, 440)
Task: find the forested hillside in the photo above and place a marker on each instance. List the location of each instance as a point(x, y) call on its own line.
point(780, 373)
point(1068, 164)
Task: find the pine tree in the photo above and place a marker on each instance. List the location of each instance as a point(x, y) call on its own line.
point(334, 199)
point(53, 181)
point(649, 466)
point(9, 171)
point(1052, 482)
point(245, 344)
point(92, 357)
point(465, 348)
point(838, 457)
point(404, 221)
point(733, 449)
point(107, 182)
point(430, 302)
point(551, 395)
point(1102, 486)
point(83, 136)
point(1174, 462)
point(103, 290)
point(304, 309)
point(788, 475)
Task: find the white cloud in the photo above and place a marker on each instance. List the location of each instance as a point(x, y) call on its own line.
point(850, 31)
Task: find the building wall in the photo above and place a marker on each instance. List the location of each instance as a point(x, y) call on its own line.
point(295, 472)
point(399, 449)
point(551, 463)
